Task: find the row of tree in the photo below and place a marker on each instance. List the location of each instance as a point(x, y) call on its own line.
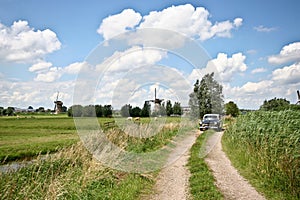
point(159, 110)
point(90, 111)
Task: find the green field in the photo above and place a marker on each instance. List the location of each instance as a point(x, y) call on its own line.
point(72, 172)
point(26, 137)
point(265, 148)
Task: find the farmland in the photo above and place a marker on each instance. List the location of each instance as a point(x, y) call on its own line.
point(71, 172)
point(265, 148)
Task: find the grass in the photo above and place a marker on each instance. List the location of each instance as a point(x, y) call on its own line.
point(72, 172)
point(27, 137)
point(265, 148)
point(201, 181)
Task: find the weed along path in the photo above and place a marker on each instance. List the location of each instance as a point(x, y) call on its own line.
point(173, 180)
point(228, 180)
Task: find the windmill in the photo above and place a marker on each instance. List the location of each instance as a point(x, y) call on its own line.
point(298, 94)
point(57, 105)
point(156, 101)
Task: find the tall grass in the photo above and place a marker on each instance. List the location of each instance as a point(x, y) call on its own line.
point(265, 147)
point(73, 173)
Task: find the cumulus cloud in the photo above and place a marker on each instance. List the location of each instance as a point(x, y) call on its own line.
point(51, 75)
point(119, 23)
point(288, 74)
point(186, 19)
point(289, 53)
point(21, 43)
point(133, 57)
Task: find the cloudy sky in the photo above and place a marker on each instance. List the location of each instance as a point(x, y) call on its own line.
point(117, 52)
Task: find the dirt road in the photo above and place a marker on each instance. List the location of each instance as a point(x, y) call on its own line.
point(173, 180)
point(228, 180)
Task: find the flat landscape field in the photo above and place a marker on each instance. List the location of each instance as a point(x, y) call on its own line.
point(25, 137)
point(28, 136)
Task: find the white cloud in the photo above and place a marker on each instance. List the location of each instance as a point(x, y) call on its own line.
point(36, 94)
point(133, 57)
point(51, 75)
point(74, 68)
point(258, 70)
point(20, 43)
point(119, 23)
point(289, 53)
point(288, 74)
point(262, 28)
point(185, 19)
point(40, 66)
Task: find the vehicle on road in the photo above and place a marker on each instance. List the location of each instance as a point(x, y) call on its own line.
point(211, 121)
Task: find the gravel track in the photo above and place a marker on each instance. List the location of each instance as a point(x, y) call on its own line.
point(228, 180)
point(173, 181)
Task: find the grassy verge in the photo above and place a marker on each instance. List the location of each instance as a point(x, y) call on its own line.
point(201, 181)
point(73, 173)
point(264, 147)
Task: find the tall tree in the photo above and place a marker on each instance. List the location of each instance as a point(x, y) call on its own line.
point(169, 108)
point(146, 109)
point(207, 97)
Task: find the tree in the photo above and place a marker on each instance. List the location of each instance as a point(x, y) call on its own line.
point(207, 97)
point(169, 109)
point(232, 109)
point(146, 109)
point(9, 111)
point(177, 109)
point(99, 110)
point(126, 110)
point(136, 112)
point(75, 111)
point(107, 110)
point(89, 111)
point(275, 105)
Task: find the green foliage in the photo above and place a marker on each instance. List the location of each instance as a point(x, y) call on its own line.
point(177, 109)
point(169, 109)
point(275, 105)
point(146, 109)
point(264, 146)
point(207, 97)
point(201, 181)
point(232, 109)
point(90, 111)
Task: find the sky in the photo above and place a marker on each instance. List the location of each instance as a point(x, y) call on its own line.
point(118, 52)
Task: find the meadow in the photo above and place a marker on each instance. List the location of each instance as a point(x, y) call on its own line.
point(72, 172)
point(265, 148)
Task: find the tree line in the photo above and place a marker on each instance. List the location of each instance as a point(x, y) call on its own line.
point(90, 111)
point(166, 109)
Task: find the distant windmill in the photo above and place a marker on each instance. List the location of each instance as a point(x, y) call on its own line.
point(156, 101)
point(298, 94)
point(57, 105)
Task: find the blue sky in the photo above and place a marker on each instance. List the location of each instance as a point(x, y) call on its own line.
point(254, 45)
